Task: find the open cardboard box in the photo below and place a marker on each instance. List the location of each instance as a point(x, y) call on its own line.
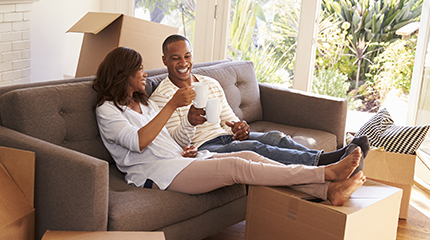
point(107, 235)
point(392, 169)
point(16, 194)
point(283, 213)
point(105, 31)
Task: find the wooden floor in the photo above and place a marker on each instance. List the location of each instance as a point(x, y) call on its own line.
point(416, 227)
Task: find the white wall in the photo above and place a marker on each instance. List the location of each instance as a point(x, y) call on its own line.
point(55, 53)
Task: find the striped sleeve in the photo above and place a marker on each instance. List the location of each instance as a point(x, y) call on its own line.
point(178, 125)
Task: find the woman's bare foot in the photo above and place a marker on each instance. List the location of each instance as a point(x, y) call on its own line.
point(339, 192)
point(342, 170)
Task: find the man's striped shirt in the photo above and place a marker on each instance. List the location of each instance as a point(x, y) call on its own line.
point(179, 127)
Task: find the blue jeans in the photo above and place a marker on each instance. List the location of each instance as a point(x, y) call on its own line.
point(273, 145)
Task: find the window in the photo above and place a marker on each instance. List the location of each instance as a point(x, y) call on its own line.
point(180, 14)
point(419, 99)
point(270, 33)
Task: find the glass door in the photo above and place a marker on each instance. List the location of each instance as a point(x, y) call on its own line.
point(419, 99)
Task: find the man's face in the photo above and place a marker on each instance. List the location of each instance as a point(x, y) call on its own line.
point(179, 62)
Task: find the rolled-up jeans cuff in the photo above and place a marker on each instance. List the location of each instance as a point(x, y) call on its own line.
point(317, 158)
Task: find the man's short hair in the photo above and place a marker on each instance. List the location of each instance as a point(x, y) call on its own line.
point(171, 39)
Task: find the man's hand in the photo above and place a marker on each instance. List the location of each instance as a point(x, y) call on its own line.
point(240, 130)
point(189, 151)
point(195, 116)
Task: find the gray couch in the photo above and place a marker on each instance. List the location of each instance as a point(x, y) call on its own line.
point(78, 186)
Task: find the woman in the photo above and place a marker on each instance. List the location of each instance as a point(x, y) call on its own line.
point(132, 129)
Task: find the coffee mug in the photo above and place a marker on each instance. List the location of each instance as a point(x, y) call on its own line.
point(201, 90)
point(213, 109)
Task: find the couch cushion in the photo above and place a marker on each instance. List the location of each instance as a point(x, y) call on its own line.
point(60, 114)
point(313, 139)
point(140, 209)
point(240, 85)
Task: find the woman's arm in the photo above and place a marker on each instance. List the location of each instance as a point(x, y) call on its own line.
point(149, 132)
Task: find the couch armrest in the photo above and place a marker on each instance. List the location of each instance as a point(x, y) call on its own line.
point(71, 188)
point(301, 109)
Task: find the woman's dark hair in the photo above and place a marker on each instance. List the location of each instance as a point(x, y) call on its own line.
point(112, 79)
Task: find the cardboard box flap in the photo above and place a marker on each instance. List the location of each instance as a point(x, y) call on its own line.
point(19, 164)
point(94, 22)
point(13, 203)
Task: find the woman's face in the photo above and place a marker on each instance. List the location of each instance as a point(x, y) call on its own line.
point(138, 81)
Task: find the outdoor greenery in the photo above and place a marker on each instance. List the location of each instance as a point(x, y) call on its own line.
point(359, 56)
point(330, 82)
point(178, 13)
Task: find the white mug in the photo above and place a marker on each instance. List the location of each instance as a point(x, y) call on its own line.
point(213, 110)
point(201, 90)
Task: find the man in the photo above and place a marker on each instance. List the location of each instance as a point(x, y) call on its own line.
point(230, 134)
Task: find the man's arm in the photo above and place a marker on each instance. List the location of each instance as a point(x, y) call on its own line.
point(178, 125)
point(229, 121)
point(227, 114)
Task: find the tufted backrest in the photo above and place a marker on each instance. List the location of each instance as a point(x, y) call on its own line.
point(240, 86)
point(64, 114)
point(61, 114)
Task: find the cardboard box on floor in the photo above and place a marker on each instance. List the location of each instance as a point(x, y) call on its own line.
point(108, 235)
point(393, 169)
point(105, 31)
point(282, 213)
point(16, 194)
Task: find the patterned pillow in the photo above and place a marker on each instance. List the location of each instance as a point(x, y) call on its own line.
point(382, 132)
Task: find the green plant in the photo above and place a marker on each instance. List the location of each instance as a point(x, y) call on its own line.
point(242, 26)
point(285, 28)
point(268, 68)
point(159, 9)
point(365, 98)
point(330, 82)
point(375, 20)
point(393, 68)
point(372, 21)
point(332, 46)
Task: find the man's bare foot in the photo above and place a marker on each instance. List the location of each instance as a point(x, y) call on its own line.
point(342, 170)
point(339, 192)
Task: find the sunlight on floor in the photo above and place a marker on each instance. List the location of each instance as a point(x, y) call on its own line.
point(420, 200)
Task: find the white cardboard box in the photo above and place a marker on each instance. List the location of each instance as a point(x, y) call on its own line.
point(392, 169)
point(105, 31)
point(282, 213)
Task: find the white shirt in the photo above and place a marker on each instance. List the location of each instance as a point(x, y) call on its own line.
point(160, 161)
point(179, 127)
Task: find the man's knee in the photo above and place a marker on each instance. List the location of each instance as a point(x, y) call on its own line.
point(246, 145)
point(274, 137)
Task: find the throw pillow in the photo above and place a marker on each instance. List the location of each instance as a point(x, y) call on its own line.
point(382, 132)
